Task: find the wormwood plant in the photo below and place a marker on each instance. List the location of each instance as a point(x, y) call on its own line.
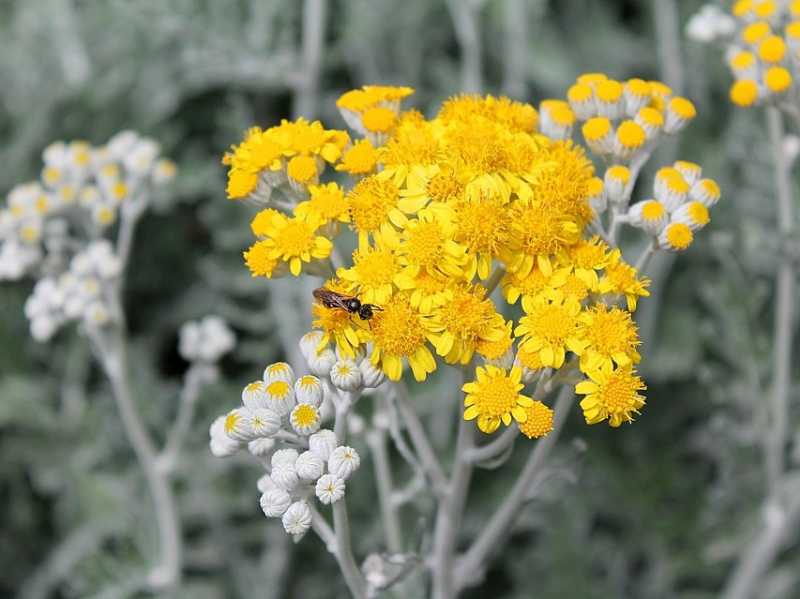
point(484, 242)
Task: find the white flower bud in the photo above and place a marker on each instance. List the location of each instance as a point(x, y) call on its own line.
point(305, 419)
point(275, 502)
point(329, 489)
point(309, 466)
point(308, 389)
point(254, 395)
point(221, 445)
point(280, 397)
point(265, 484)
point(321, 364)
point(284, 456)
point(285, 476)
point(309, 343)
point(297, 519)
point(264, 422)
point(343, 461)
point(322, 443)
point(371, 376)
point(260, 447)
point(279, 371)
point(345, 375)
point(238, 424)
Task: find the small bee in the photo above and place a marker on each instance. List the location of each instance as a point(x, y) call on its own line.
point(333, 299)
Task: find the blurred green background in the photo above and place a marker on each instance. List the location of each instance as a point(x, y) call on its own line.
point(656, 510)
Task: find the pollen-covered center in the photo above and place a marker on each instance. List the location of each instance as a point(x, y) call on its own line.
point(483, 226)
point(305, 415)
point(398, 328)
point(443, 186)
point(496, 397)
point(552, 322)
point(302, 168)
point(424, 244)
point(619, 393)
point(295, 238)
point(374, 267)
point(610, 331)
point(466, 314)
point(370, 202)
point(278, 388)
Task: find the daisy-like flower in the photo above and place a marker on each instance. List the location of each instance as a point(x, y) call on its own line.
point(305, 419)
point(297, 518)
point(360, 160)
point(399, 332)
point(610, 335)
point(484, 228)
point(337, 325)
point(611, 394)
point(343, 461)
point(622, 279)
point(436, 184)
point(374, 270)
point(467, 318)
point(327, 201)
point(539, 421)
point(345, 375)
point(292, 240)
point(535, 282)
point(493, 397)
point(329, 488)
point(426, 243)
point(322, 443)
point(498, 351)
point(373, 205)
point(308, 389)
point(551, 327)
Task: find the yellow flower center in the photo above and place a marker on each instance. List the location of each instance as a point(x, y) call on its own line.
point(443, 186)
point(653, 210)
point(755, 32)
point(744, 92)
point(552, 322)
point(278, 388)
point(579, 93)
point(743, 60)
point(328, 201)
point(630, 134)
point(618, 394)
point(424, 244)
point(370, 202)
point(559, 112)
point(230, 421)
point(610, 331)
point(296, 238)
point(698, 213)
point(539, 421)
point(496, 396)
point(259, 259)
point(374, 267)
point(398, 329)
point(482, 226)
point(651, 116)
point(240, 183)
point(575, 287)
point(777, 79)
point(679, 236)
point(609, 90)
point(302, 169)
point(378, 120)
point(683, 108)
point(467, 314)
point(305, 415)
point(596, 128)
point(360, 159)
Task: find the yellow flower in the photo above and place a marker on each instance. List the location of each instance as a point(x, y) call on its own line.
point(622, 279)
point(431, 183)
point(496, 349)
point(494, 397)
point(360, 159)
point(467, 318)
point(611, 394)
point(291, 240)
point(338, 325)
point(399, 332)
point(373, 272)
point(611, 338)
point(373, 207)
point(327, 201)
point(535, 282)
point(551, 327)
point(426, 290)
point(516, 116)
point(586, 258)
point(483, 227)
point(412, 144)
point(426, 243)
point(539, 421)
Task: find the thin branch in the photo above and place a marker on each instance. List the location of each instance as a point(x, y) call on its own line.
point(496, 447)
point(376, 439)
point(470, 568)
point(465, 15)
point(192, 386)
point(515, 24)
point(305, 98)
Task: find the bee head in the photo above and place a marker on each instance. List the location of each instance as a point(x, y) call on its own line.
point(365, 312)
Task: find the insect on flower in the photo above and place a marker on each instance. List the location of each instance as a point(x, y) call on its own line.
point(332, 299)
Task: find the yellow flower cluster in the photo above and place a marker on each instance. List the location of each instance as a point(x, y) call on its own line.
point(488, 192)
point(764, 54)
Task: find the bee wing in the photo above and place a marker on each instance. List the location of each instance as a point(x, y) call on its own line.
point(331, 299)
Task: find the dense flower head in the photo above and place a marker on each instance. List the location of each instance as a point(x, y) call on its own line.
point(489, 192)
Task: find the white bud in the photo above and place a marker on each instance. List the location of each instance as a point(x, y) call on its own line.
point(322, 443)
point(309, 343)
point(284, 456)
point(345, 375)
point(371, 376)
point(265, 484)
point(221, 445)
point(238, 424)
point(321, 364)
point(260, 447)
point(343, 461)
point(305, 419)
point(264, 422)
point(330, 489)
point(309, 466)
point(285, 476)
point(279, 371)
point(308, 389)
point(254, 395)
point(275, 502)
point(280, 396)
point(297, 519)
